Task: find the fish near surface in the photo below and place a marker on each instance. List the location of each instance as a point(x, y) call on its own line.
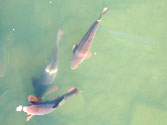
point(81, 51)
point(46, 107)
point(44, 84)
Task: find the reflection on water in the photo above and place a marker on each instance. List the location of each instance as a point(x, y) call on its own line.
point(125, 35)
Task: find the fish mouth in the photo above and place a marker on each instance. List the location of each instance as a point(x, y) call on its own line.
point(24, 109)
point(34, 99)
point(73, 67)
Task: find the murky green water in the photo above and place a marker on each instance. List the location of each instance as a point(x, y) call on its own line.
point(123, 84)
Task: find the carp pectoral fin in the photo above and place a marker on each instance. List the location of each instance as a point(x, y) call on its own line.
point(34, 81)
point(34, 99)
point(88, 55)
point(74, 47)
point(29, 117)
point(53, 88)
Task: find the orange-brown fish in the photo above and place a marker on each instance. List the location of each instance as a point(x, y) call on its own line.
point(81, 51)
point(46, 107)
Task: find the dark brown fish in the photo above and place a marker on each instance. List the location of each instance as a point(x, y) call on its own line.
point(81, 51)
point(44, 84)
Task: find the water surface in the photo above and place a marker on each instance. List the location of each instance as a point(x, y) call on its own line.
point(2, 61)
point(123, 84)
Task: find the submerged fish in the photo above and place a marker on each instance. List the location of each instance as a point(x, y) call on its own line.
point(2, 62)
point(81, 51)
point(46, 107)
point(44, 84)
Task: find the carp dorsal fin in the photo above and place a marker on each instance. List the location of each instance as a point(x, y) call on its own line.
point(52, 88)
point(34, 81)
point(74, 47)
point(88, 55)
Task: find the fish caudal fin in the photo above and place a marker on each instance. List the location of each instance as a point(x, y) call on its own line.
point(59, 34)
point(102, 13)
point(34, 99)
point(61, 100)
point(105, 10)
point(71, 92)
